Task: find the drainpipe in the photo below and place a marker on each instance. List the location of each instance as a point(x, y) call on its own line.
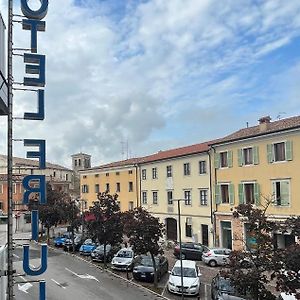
point(213, 216)
point(138, 184)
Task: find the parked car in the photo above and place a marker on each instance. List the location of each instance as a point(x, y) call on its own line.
point(87, 247)
point(216, 256)
point(191, 278)
point(191, 251)
point(123, 260)
point(284, 296)
point(222, 289)
point(143, 268)
point(59, 240)
point(68, 244)
point(98, 253)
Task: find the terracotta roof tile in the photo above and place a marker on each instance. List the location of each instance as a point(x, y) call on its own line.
point(276, 126)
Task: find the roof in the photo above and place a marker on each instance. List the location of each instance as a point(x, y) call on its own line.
point(80, 154)
point(254, 131)
point(25, 162)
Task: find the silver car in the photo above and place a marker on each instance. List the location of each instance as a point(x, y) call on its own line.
point(216, 256)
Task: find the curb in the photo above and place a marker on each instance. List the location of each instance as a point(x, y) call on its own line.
point(109, 272)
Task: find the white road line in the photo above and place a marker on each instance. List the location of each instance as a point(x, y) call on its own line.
point(72, 272)
point(16, 256)
point(58, 283)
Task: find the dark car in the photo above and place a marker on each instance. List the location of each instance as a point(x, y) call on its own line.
point(98, 253)
point(222, 289)
point(68, 244)
point(143, 268)
point(192, 251)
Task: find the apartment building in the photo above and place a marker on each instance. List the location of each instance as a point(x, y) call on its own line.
point(120, 178)
point(257, 165)
point(179, 175)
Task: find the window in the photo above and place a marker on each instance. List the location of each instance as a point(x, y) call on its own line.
point(118, 187)
point(282, 151)
point(169, 171)
point(248, 156)
point(202, 167)
point(31, 171)
point(281, 192)
point(203, 197)
point(154, 195)
point(249, 193)
point(106, 174)
point(54, 174)
point(130, 186)
point(186, 169)
point(1, 206)
point(144, 197)
point(1, 188)
point(107, 188)
point(170, 197)
point(130, 172)
point(14, 188)
point(223, 160)
point(188, 227)
point(85, 188)
point(75, 162)
point(117, 173)
point(84, 176)
point(130, 205)
point(224, 193)
point(154, 173)
point(97, 188)
point(144, 174)
point(187, 198)
point(96, 175)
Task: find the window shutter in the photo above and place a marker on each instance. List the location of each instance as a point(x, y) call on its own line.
point(217, 194)
point(284, 193)
point(270, 151)
point(241, 193)
point(257, 194)
point(240, 157)
point(229, 159)
point(289, 150)
point(255, 155)
point(217, 160)
point(231, 194)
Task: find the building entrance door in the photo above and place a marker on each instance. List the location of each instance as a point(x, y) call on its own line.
point(171, 225)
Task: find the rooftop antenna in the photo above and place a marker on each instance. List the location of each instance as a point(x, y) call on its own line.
point(279, 115)
point(122, 150)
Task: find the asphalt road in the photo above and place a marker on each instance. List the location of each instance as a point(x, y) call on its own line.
point(70, 278)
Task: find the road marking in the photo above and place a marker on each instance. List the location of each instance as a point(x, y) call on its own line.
point(16, 256)
point(25, 287)
point(83, 276)
point(58, 283)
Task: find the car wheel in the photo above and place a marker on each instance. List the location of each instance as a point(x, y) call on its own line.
point(212, 263)
point(183, 256)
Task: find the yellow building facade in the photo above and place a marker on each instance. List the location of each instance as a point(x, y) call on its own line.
point(179, 174)
point(256, 165)
point(120, 178)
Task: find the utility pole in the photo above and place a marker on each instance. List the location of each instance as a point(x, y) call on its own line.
point(10, 270)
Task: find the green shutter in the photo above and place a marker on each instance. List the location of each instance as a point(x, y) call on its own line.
point(241, 193)
point(229, 158)
point(240, 157)
point(270, 153)
point(217, 194)
point(217, 160)
point(256, 194)
point(255, 155)
point(231, 194)
point(284, 193)
point(289, 150)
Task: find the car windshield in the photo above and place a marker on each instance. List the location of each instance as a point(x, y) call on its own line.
point(88, 242)
point(147, 261)
point(225, 286)
point(125, 253)
point(187, 272)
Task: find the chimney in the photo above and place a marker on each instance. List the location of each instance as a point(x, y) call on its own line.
point(264, 123)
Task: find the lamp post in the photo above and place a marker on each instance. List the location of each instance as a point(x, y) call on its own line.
point(180, 246)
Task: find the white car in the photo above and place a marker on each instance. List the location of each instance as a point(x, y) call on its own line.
point(123, 260)
point(191, 278)
point(284, 296)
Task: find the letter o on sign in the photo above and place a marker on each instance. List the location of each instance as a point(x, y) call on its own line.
point(34, 14)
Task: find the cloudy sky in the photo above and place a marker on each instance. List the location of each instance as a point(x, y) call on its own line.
point(156, 73)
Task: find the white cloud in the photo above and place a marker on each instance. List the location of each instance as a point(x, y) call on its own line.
point(133, 77)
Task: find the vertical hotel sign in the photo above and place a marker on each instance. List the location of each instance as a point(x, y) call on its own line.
point(35, 65)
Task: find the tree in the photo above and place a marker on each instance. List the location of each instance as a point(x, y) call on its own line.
point(144, 232)
point(105, 225)
point(264, 262)
point(54, 211)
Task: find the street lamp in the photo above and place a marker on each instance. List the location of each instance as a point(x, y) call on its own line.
point(180, 246)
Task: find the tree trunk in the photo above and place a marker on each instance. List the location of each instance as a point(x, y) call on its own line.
point(48, 235)
point(154, 269)
point(104, 255)
point(72, 237)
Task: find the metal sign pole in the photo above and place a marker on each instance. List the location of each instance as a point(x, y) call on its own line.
point(10, 270)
